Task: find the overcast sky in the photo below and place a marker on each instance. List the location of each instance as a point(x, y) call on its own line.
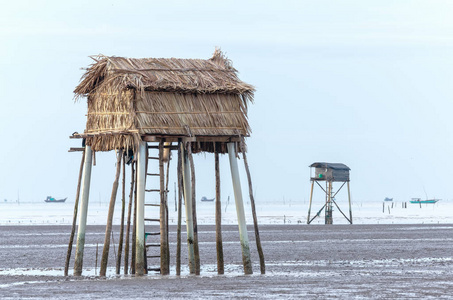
point(364, 83)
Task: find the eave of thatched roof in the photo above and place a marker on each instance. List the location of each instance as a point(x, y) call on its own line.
point(214, 75)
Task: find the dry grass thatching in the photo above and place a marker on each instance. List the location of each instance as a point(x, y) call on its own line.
point(129, 98)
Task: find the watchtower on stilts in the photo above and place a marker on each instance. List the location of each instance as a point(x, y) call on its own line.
point(139, 106)
point(330, 173)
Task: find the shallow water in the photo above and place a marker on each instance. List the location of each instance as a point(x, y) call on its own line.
point(315, 261)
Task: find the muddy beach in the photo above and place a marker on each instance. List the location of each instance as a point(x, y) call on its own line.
point(315, 262)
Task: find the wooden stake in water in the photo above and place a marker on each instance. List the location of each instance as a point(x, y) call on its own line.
point(128, 226)
point(123, 208)
point(240, 209)
point(218, 217)
point(108, 229)
point(252, 202)
point(85, 188)
point(74, 217)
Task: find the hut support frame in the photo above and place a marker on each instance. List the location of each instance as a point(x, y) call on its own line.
point(330, 199)
point(86, 179)
point(140, 225)
point(188, 205)
point(240, 209)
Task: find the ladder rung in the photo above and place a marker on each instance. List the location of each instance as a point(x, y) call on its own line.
point(152, 220)
point(154, 269)
point(153, 256)
point(150, 204)
point(153, 157)
point(152, 190)
point(152, 245)
point(165, 146)
point(152, 233)
point(153, 174)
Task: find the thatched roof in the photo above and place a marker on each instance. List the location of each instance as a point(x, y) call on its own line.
point(131, 98)
point(198, 76)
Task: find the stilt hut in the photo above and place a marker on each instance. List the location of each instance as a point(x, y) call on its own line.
point(329, 172)
point(137, 106)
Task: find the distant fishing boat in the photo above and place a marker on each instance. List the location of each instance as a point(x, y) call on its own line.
point(418, 200)
point(388, 199)
point(204, 199)
point(52, 199)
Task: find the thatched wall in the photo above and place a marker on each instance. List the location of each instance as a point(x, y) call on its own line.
point(129, 98)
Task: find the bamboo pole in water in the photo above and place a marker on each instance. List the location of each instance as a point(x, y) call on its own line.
point(128, 226)
point(255, 219)
point(178, 231)
point(164, 270)
point(108, 229)
point(194, 210)
point(188, 205)
point(218, 217)
point(140, 208)
point(74, 217)
point(240, 209)
point(85, 188)
point(123, 208)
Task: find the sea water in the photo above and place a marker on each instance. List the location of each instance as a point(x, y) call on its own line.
point(271, 212)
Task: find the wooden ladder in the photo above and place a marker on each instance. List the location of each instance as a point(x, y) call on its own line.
point(152, 211)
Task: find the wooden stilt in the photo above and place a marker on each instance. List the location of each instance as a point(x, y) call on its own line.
point(74, 217)
point(134, 225)
point(178, 230)
point(108, 229)
point(167, 177)
point(194, 210)
point(218, 217)
point(350, 208)
point(188, 205)
point(164, 270)
point(128, 226)
point(309, 204)
point(86, 178)
point(240, 209)
point(255, 219)
point(123, 208)
point(140, 225)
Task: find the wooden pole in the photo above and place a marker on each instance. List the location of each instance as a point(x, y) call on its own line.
point(240, 209)
point(108, 229)
point(194, 210)
point(140, 221)
point(218, 217)
point(167, 178)
point(134, 224)
point(350, 207)
point(164, 270)
point(188, 205)
point(74, 217)
point(309, 204)
point(86, 178)
point(178, 231)
point(255, 219)
point(123, 208)
point(128, 226)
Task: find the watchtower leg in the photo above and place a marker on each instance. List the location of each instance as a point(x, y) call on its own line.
point(350, 208)
point(240, 209)
point(309, 205)
point(140, 222)
point(86, 179)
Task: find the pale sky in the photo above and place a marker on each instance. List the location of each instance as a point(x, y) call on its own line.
point(364, 83)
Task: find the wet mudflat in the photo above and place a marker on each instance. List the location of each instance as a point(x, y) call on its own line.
point(315, 262)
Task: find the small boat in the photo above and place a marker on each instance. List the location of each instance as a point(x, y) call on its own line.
point(204, 199)
point(388, 199)
point(418, 200)
point(53, 200)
